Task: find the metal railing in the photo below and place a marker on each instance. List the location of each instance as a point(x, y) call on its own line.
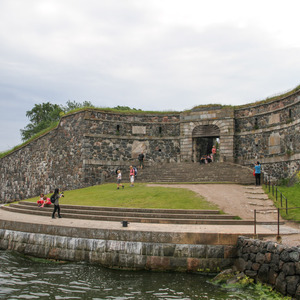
point(277, 194)
point(278, 217)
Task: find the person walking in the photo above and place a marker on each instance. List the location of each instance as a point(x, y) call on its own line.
point(131, 175)
point(55, 200)
point(119, 178)
point(141, 160)
point(257, 170)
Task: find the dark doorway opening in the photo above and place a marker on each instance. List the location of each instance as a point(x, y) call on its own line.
point(204, 138)
point(203, 146)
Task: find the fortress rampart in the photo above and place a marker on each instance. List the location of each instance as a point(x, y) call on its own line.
point(88, 146)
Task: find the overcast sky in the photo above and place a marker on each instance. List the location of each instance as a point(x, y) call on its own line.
point(148, 54)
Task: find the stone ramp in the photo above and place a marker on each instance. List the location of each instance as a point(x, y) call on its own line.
point(162, 216)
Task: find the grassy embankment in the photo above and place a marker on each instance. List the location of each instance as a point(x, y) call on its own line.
point(293, 196)
point(139, 196)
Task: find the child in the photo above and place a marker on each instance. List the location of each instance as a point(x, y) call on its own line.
point(40, 202)
point(119, 178)
point(47, 201)
point(131, 176)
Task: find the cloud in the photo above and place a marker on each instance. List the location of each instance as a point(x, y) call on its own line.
point(154, 55)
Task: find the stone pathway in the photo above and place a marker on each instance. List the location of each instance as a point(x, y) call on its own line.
point(241, 201)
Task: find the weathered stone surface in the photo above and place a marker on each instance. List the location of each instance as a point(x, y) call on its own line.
point(294, 256)
point(260, 258)
point(272, 277)
point(292, 283)
point(263, 273)
point(255, 266)
point(280, 283)
point(297, 294)
point(289, 268)
point(251, 273)
point(285, 256)
point(240, 264)
point(297, 268)
point(268, 258)
point(215, 251)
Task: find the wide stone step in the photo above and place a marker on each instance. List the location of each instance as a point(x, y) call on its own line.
point(90, 214)
point(124, 214)
point(193, 172)
point(129, 209)
point(138, 220)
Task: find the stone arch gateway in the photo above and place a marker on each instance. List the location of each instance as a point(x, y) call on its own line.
point(200, 128)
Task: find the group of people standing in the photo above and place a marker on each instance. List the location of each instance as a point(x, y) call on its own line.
point(132, 175)
point(132, 172)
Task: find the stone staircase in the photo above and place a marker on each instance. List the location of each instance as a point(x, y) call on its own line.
point(193, 172)
point(163, 216)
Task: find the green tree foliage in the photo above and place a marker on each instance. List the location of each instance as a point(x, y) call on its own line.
point(72, 105)
point(126, 108)
point(41, 116)
point(44, 115)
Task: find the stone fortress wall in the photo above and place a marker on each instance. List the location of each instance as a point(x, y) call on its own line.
point(270, 133)
point(84, 149)
point(88, 146)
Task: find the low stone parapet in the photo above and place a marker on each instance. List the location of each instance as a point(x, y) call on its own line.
point(124, 248)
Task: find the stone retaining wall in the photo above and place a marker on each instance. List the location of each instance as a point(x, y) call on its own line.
point(271, 263)
point(122, 249)
point(268, 262)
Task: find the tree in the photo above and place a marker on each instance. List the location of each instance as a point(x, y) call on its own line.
point(44, 115)
point(41, 117)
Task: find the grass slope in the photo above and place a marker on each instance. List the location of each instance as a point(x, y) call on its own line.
point(293, 196)
point(139, 196)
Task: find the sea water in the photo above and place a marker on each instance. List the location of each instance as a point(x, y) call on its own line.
point(24, 278)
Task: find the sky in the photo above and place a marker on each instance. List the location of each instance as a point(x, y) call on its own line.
point(147, 54)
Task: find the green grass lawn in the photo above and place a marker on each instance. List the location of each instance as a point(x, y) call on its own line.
point(293, 196)
point(139, 196)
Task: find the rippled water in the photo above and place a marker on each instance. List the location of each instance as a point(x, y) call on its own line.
point(23, 278)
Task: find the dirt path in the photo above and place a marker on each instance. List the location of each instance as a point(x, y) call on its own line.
point(241, 201)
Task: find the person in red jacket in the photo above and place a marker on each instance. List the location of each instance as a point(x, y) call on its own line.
point(213, 153)
point(47, 201)
point(41, 202)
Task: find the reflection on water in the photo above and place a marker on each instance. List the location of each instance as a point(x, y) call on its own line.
point(22, 278)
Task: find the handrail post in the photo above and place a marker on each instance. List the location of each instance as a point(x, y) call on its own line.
point(286, 206)
point(278, 214)
point(254, 221)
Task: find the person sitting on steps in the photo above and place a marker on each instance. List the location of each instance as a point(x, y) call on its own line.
point(41, 202)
